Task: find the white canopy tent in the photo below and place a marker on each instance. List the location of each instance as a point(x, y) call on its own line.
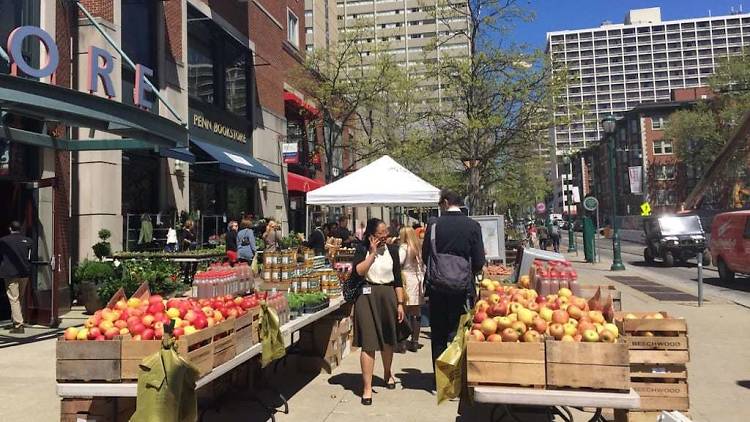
point(384, 182)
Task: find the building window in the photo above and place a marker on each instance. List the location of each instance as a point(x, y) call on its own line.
point(218, 67)
point(292, 28)
point(658, 123)
point(664, 197)
point(138, 34)
point(664, 172)
point(14, 13)
point(663, 146)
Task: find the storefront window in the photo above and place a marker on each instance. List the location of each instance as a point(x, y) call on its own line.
point(235, 79)
point(200, 70)
point(139, 192)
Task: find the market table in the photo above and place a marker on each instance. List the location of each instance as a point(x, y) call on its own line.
point(552, 399)
point(129, 389)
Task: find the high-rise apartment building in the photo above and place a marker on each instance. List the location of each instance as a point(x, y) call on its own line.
point(321, 30)
point(407, 30)
point(639, 61)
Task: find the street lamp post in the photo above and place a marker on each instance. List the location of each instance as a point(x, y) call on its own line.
point(569, 189)
point(609, 128)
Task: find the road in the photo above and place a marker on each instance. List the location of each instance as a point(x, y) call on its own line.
point(680, 277)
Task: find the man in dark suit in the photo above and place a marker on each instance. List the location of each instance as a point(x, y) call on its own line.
point(15, 269)
point(456, 235)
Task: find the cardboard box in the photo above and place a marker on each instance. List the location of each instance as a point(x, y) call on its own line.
point(315, 339)
point(315, 364)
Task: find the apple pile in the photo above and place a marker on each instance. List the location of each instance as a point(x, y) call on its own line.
point(655, 315)
point(517, 314)
point(145, 319)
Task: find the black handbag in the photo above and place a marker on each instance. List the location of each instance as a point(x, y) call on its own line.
point(403, 330)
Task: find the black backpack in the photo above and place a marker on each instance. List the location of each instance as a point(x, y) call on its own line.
point(446, 273)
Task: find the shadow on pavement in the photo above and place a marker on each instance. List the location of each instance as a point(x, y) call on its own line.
point(738, 284)
point(29, 337)
point(744, 383)
point(414, 379)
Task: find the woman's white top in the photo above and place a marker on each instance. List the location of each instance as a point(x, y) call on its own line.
point(381, 271)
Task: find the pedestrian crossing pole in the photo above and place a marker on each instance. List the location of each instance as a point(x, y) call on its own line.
point(700, 278)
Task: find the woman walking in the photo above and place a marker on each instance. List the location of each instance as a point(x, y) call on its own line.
point(410, 256)
point(380, 306)
point(246, 241)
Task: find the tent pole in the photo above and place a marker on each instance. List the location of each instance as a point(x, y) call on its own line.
point(307, 221)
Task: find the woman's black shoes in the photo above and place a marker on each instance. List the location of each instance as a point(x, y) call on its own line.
point(367, 401)
point(413, 347)
point(391, 385)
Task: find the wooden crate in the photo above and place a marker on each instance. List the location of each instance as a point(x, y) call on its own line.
point(200, 349)
point(655, 341)
point(134, 351)
point(88, 360)
point(493, 363)
point(245, 329)
point(658, 370)
point(622, 415)
point(597, 366)
point(224, 342)
point(661, 387)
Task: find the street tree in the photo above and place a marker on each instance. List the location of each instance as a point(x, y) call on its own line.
point(496, 99)
point(349, 86)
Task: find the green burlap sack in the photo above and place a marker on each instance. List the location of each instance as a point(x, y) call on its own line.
point(166, 388)
point(270, 336)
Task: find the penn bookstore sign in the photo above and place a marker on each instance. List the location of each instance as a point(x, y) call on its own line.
point(100, 65)
point(218, 127)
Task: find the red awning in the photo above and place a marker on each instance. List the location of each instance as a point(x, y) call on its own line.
point(294, 99)
point(299, 183)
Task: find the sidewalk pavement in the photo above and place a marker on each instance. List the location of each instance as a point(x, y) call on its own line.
point(719, 368)
point(719, 373)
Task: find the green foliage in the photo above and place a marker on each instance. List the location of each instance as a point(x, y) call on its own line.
point(96, 272)
point(696, 136)
point(162, 277)
point(103, 247)
point(291, 241)
point(523, 184)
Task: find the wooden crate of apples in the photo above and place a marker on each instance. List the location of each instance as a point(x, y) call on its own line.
point(521, 338)
point(114, 340)
point(659, 353)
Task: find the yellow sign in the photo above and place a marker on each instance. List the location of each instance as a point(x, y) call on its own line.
point(645, 209)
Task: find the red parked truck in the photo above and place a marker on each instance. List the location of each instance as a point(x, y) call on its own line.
point(730, 243)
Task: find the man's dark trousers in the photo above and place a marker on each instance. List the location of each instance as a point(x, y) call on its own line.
point(445, 313)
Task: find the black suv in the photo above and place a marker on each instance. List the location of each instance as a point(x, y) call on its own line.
point(673, 238)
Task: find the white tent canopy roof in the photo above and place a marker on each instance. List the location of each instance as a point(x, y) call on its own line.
point(382, 182)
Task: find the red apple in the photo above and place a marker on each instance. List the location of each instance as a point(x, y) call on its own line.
point(191, 316)
point(574, 311)
point(509, 335)
point(153, 299)
point(201, 322)
point(148, 320)
point(112, 333)
point(233, 313)
point(121, 324)
point(155, 308)
point(560, 316)
point(533, 306)
point(148, 334)
point(495, 338)
point(477, 335)
point(539, 324)
point(556, 330)
point(121, 304)
point(540, 300)
point(478, 317)
point(532, 336)
point(100, 337)
point(137, 329)
point(94, 332)
point(585, 326)
point(178, 332)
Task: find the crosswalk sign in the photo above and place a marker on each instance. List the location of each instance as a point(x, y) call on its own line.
point(645, 209)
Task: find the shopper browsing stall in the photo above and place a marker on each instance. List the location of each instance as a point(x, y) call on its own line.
point(380, 306)
point(272, 236)
point(232, 241)
point(410, 254)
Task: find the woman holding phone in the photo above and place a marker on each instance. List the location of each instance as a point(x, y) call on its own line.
point(380, 306)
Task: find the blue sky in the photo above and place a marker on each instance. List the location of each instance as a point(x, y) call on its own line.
point(556, 15)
